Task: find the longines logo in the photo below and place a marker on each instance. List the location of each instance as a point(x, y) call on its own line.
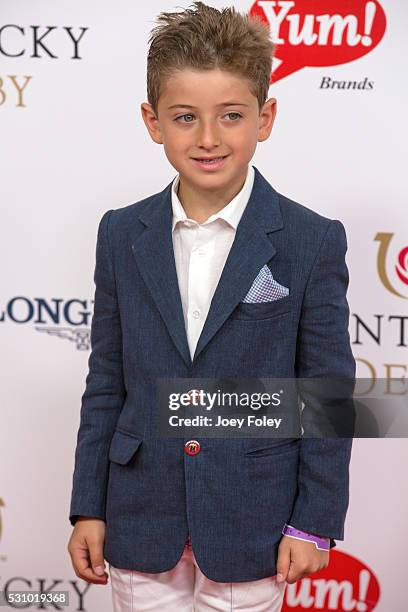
point(399, 269)
point(37, 42)
point(68, 320)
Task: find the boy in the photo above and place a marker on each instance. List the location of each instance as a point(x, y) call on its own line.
point(218, 275)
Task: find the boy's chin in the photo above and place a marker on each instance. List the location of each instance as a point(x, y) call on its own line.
point(203, 178)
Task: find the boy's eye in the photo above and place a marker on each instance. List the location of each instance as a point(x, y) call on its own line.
point(186, 115)
point(190, 115)
point(237, 114)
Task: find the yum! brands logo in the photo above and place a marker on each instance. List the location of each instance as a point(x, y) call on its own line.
point(345, 584)
point(320, 33)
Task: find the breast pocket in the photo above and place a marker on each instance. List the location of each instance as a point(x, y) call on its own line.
point(259, 311)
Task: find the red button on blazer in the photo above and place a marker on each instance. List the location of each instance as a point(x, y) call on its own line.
point(192, 447)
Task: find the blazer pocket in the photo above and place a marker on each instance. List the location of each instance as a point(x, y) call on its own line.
point(268, 450)
point(253, 311)
point(123, 446)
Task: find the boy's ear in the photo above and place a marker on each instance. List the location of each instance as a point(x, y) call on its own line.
point(151, 122)
point(267, 118)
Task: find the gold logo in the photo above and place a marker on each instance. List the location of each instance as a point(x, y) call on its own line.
point(400, 268)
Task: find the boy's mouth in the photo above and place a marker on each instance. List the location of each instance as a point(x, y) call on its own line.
point(210, 161)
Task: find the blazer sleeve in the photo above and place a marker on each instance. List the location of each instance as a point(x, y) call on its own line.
point(104, 393)
point(324, 351)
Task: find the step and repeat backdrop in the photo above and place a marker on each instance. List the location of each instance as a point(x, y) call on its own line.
point(73, 145)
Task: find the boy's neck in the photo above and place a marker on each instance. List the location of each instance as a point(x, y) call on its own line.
point(201, 204)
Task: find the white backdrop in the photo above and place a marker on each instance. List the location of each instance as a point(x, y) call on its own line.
point(74, 145)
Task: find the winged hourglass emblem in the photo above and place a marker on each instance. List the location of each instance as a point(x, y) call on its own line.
point(81, 337)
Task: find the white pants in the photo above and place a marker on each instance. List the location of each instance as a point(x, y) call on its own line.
point(185, 589)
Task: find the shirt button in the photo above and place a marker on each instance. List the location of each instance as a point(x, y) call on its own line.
point(196, 314)
point(192, 447)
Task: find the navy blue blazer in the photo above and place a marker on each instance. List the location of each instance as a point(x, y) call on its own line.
point(152, 494)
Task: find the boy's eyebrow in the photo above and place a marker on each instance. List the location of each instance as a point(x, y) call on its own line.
point(218, 105)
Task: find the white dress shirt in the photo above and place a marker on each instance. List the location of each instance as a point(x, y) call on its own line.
point(200, 253)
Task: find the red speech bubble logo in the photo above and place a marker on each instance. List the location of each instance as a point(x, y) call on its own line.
point(346, 584)
point(319, 33)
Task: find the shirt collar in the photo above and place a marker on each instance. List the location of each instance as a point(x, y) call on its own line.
point(231, 213)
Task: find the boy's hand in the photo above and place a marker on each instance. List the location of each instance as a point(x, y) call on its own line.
point(298, 559)
point(86, 549)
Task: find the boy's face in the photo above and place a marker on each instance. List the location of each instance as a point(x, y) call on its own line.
point(206, 114)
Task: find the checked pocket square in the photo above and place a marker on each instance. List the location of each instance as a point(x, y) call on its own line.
point(265, 288)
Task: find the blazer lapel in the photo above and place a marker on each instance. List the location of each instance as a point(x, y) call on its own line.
point(154, 254)
point(251, 249)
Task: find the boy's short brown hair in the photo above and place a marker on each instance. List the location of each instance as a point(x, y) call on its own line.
point(205, 38)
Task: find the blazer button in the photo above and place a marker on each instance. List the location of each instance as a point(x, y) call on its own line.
point(192, 447)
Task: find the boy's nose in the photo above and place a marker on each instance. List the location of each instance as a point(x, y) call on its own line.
point(208, 136)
